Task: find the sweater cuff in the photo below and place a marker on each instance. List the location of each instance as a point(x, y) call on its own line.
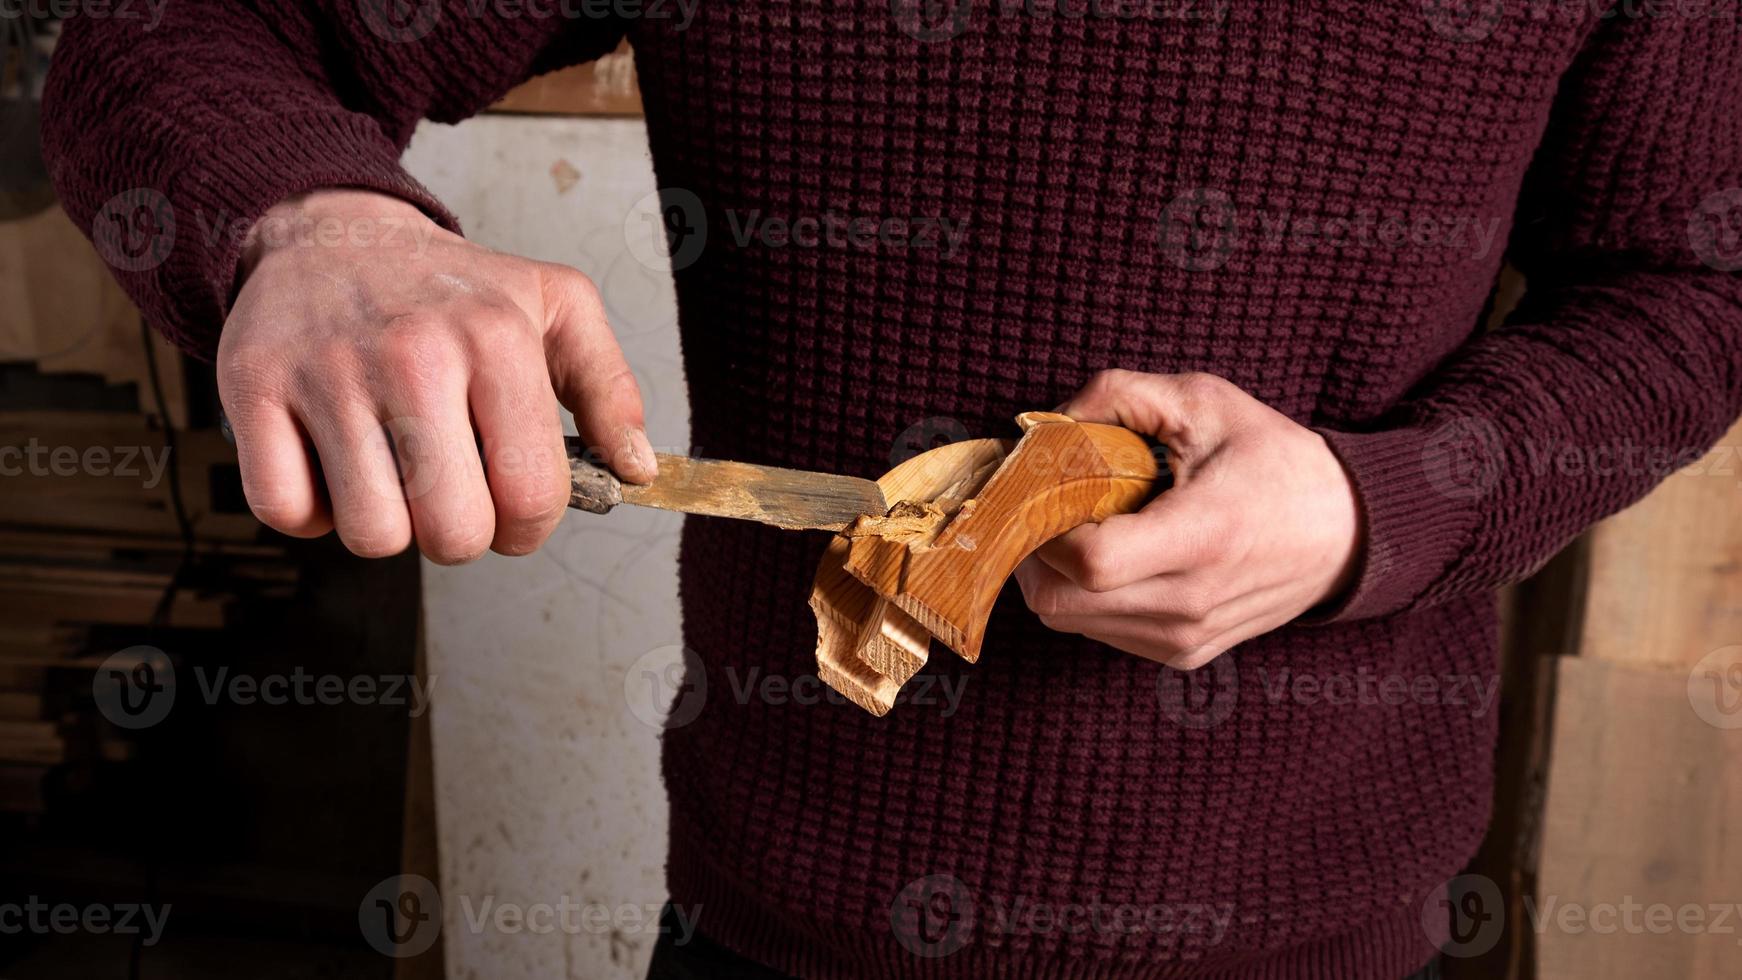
point(248, 173)
point(1418, 491)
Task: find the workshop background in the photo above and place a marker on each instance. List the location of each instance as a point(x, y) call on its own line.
point(266, 750)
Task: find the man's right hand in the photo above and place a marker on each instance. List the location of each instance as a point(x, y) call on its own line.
point(394, 357)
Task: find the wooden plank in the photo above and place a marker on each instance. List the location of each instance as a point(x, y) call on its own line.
point(1539, 624)
point(606, 87)
point(1642, 799)
point(1670, 588)
point(126, 490)
point(65, 311)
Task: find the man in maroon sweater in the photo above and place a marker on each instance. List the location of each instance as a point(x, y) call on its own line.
point(1280, 223)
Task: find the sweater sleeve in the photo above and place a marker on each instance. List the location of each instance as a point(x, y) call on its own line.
point(1624, 361)
point(167, 141)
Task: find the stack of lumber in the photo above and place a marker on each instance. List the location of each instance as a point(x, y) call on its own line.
point(1640, 860)
point(117, 522)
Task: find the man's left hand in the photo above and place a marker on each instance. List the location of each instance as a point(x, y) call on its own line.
point(1260, 526)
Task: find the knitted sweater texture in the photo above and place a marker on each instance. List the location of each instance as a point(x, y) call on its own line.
point(1312, 200)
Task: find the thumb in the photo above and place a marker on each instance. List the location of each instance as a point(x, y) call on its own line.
point(590, 376)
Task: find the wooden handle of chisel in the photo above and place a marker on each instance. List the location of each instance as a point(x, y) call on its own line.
point(592, 487)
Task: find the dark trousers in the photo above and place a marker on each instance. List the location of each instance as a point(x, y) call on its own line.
point(703, 959)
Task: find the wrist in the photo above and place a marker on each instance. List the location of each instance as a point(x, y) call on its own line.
point(332, 217)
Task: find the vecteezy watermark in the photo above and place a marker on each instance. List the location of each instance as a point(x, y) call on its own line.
point(1463, 21)
point(572, 918)
point(1715, 688)
point(857, 232)
point(134, 231)
point(667, 688)
point(1464, 917)
point(1368, 687)
point(756, 685)
point(937, 915)
point(33, 915)
point(926, 435)
point(1467, 21)
point(1201, 227)
point(1096, 916)
point(146, 13)
point(305, 231)
point(404, 21)
point(1201, 698)
point(933, 916)
point(144, 463)
point(1206, 697)
point(1463, 457)
point(1715, 230)
point(941, 20)
point(136, 688)
point(403, 916)
point(668, 229)
point(1467, 916)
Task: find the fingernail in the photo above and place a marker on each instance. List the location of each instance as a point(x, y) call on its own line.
point(638, 453)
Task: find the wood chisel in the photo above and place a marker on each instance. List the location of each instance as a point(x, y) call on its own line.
point(791, 499)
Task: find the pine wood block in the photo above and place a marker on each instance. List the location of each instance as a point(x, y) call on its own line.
point(963, 517)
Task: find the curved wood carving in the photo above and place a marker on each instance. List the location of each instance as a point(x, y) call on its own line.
point(964, 516)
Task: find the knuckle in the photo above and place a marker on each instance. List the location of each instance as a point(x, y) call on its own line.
point(1179, 639)
point(1106, 380)
point(1195, 605)
point(1045, 602)
point(252, 370)
point(1199, 386)
point(412, 343)
point(496, 330)
point(531, 506)
point(1096, 571)
point(568, 286)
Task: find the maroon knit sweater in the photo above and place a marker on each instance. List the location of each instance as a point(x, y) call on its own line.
point(1311, 200)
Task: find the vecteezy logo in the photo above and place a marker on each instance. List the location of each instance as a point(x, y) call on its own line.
point(1715, 688)
point(1466, 917)
point(419, 454)
point(933, 916)
point(134, 231)
point(1201, 698)
point(666, 687)
point(931, 20)
point(667, 229)
point(1463, 21)
point(401, 21)
point(1199, 229)
point(401, 916)
point(1462, 459)
point(925, 435)
point(1715, 230)
point(135, 688)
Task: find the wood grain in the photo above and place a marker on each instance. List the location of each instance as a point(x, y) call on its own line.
point(964, 516)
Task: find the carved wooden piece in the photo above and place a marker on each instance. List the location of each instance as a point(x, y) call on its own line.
point(851, 617)
point(958, 527)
